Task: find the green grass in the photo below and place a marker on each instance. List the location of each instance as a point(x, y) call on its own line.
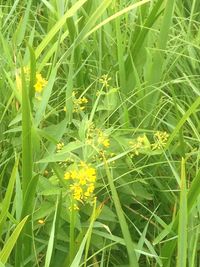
point(122, 96)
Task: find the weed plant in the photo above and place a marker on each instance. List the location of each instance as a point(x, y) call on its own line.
point(99, 133)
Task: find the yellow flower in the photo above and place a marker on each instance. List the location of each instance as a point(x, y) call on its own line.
point(73, 207)
point(82, 180)
point(83, 164)
point(137, 144)
point(104, 80)
point(103, 139)
point(90, 174)
point(40, 83)
point(59, 146)
point(89, 191)
point(74, 174)
point(97, 137)
point(41, 221)
point(161, 140)
point(79, 103)
point(38, 87)
point(91, 188)
point(106, 142)
point(77, 192)
point(67, 176)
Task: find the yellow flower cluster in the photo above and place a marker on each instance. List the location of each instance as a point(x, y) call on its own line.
point(104, 154)
point(137, 145)
point(103, 139)
point(82, 182)
point(41, 221)
point(74, 206)
point(104, 80)
point(141, 144)
point(79, 103)
point(40, 83)
point(161, 140)
point(97, 137)
point(59, 146)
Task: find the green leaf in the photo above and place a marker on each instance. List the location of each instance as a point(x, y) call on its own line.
point(27, 161)
point(77, 258)
point(123, 224)
point(58, 26)
point(8, 196)
point(183, 218)
point(22, 25)
point(116, 15)
point(8, 247)
point(64, 153)
point(51, 239)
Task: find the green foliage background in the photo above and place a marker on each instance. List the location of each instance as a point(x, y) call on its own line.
point(137, 64)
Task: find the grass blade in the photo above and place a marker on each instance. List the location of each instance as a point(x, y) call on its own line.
point(27, 162)
point(51, 239)
point(8, 247)
point(58, 26)
point(116, 15)
point(182, 229)
point(8, 196)
point(124, 226)
point(77, 258)
point(158, 59)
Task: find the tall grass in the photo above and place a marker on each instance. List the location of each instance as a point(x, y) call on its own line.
point(120, 102)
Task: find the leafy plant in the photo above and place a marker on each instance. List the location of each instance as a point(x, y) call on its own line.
point(99, 133)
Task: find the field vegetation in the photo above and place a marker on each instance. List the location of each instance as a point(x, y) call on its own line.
point(99, 133)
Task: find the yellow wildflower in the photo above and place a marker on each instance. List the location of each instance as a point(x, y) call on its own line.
point(89, 191)
point(79, 103)
point(59, 146)
point(137, 144)
point(103, 139)
point(161, 140)
point(106, 142)
point(74, 174)
point(67, 176)
point(41, 221)
point(74, 207)
point(104, 80)
point(97, 137)
point(82, 180)
point(40, 83)
point(77, 192)
point(38, 87)
point(90, 174)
